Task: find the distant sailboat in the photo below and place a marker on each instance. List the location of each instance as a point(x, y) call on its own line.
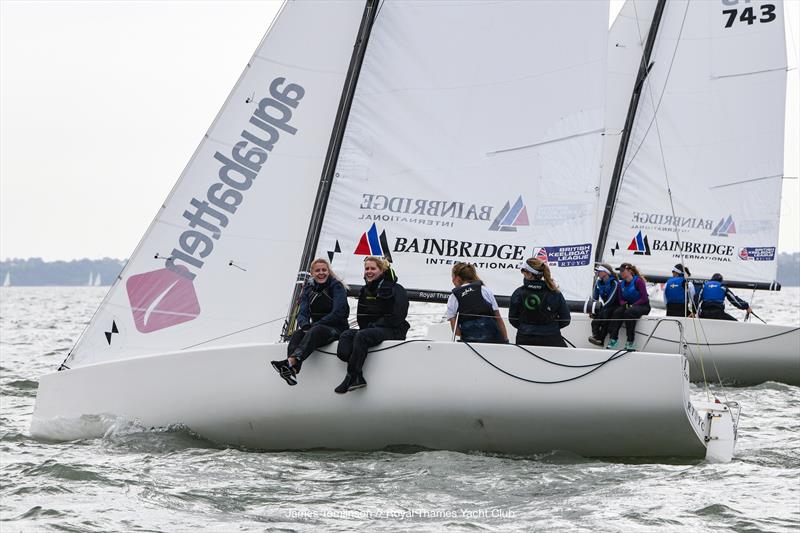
point(7, 281)
point(98, 281)
point(90, 283)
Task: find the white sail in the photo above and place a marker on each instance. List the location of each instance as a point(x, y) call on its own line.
point(7, 280)
point(710, 129)
point(90, 283)
point(469, 143)
point(98, 280)
point(220, 259)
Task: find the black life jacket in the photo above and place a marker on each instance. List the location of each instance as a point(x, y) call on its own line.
point(471, 304)
point(370, 306)
point(537, 304)
point(320, 300)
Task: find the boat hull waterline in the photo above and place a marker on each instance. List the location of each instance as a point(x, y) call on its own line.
point(438, 395)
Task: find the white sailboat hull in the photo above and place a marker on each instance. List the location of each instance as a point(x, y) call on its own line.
point(437, 395)
point(744, 353)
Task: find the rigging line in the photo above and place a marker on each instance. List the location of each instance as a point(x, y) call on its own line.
point(234, 332)
point(542, 143)
point(537, 356)
point(748, 181)
point(655, 110)
point(614, 356)
point(745, 341)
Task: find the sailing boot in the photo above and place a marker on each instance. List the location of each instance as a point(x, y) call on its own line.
point(594, 340)
point(285, 371)
point(630, 346)
point(344, 386)
point(358, 383)
point(612, 344)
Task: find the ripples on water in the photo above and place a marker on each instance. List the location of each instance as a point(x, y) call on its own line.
point(134, 479)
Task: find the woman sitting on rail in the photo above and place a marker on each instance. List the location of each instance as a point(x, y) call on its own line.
point(538, 309)
point(472, 308)
point(382, 312)
point(606, 291)
point(634, 303)
point(320, 320)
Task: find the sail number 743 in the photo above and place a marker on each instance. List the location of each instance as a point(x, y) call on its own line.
point(748, 14)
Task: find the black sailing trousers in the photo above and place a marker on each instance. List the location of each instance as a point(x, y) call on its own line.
point(354, 343)
point(303, 343)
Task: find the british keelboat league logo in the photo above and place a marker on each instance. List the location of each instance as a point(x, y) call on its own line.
point(757, 253)
point(639, 245)
point(724, 227)
point(511, 217)
point(570, 255)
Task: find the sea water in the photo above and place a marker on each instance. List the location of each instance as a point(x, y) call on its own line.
point(134, 479)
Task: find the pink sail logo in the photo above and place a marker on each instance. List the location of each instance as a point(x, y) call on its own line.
point(162, 299)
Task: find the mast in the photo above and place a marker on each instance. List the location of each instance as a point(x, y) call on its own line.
point(331, 158)
point(616, 177)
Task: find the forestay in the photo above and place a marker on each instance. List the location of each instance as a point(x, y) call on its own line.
point(474, 135)
point(219, 262)
point(710, 128)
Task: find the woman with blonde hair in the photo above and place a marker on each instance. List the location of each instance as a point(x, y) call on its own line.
point(633, 304)
point(538, 309)
point(321, 318)
point(381, 315)
point(472, 308)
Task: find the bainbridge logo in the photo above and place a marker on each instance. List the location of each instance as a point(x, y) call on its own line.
point(162, 299)
point(639, 245)
point(511, 217)
point(373, 244)
point(724, 227)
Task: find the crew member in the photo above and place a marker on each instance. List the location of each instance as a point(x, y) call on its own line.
point(538, 309)
point(381, 315)
point(474, 307)
point(676, 290)
point(633, 304)
point(606, 292)
point(712, 300)
point(321, 318)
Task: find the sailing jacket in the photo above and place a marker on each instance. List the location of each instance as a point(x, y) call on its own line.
point(535, 309)
point(606, 292)
point(324, 304)
point(633, 292)
point(675, 290)
point(383, 303)
point(713, 296)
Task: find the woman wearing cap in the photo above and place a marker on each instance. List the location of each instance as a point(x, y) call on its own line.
point(472, 308)
point(634, 303)
point(381, 315)
point(606, 291)
point(675, 292)
point(321, 318)
point(538, 309)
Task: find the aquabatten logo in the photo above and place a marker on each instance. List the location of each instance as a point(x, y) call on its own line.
point(373, 244)
point(724, 227)
point(161, 299)
point(639, 245)
point(511, 217)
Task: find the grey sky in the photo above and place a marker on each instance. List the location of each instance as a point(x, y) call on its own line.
point(102, 105)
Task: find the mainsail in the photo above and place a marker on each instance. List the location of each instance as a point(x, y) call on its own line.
point(475, 134)
point(702, 175)
point(219, 262)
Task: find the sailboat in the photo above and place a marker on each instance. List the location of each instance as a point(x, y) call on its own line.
point(7, 280)
point(90, 283)
point(694, 175)
point(98, 281)
point(367, 129)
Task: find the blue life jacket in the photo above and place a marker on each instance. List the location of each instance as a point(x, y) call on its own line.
point(629, 291)
point(713, 291)
point(675, 291)
point(604, 290)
